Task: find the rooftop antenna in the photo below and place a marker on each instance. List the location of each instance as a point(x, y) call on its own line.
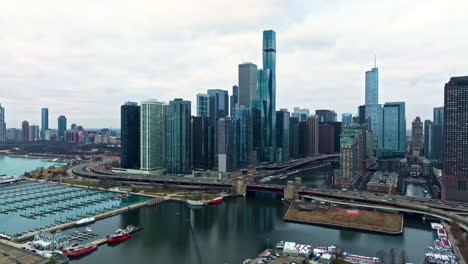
point(375, 61)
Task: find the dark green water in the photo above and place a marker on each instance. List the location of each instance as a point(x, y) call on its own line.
point(314, 178)
point(237, 229)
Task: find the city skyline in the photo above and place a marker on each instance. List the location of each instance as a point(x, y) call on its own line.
point(317, 40)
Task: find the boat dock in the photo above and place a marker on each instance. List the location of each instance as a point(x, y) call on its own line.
point(31, 235)
point(102, 241)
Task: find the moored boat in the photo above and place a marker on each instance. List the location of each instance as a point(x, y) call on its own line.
point(119, 236)
point(85, 221)
point(195, 203)
point(74, 253)
point(217, 200)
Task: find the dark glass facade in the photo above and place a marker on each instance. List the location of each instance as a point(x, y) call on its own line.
point(282, 135)
point(227, 144)
point(179, 137)
point(244, 126)
point(326, 138)
point(455, 173)
point(234, 99)
point(336, 134)
point(130, 136)
point(202, 143)
point(326, 115)
point(44, 119)
point(294, 137)
point(62, 126)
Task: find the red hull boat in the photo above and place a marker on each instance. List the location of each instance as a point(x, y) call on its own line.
point(78, 252)
point(118, 238)
point(217, 200)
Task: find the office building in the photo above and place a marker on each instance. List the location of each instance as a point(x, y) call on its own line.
point(234, 99)
point(337, 127)
point(313, 134)
point(152, 138)
point(130, 136)
point(218, 108)
point(13, 135)
point(245, 140)
point(353, 156)
point(372, 86)
point(227, 144)
point(394, 130)
point(62, 126)
point(303, 139)
point(300, 113)
point(455, 173)
point(3, 133)
point(179, 137)
point(25, 131)
point(293, 137)
point(417, 137)
point(326, 115)
point(202, 143)
point(282, 135)
point(427, 138)
point(44, 119)
point(438, 136)
point(326, 138)
point(34, 133)
point(203, 105)
point(247, 77)
point(261, 108)
point(346, 119)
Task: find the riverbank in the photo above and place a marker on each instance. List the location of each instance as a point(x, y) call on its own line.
point(362, 220)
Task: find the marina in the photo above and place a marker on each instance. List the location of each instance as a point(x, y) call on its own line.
point(29, 206)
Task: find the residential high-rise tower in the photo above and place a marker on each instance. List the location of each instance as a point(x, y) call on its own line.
point(130, 135)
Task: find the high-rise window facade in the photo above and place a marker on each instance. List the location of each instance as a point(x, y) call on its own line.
point(62, 127)
point(394, 129)
point(455, 174)
point(247, 79)
point(44, 119)
point(152, 139)
point(372, 86)
point(3, 134)
point(203, 105)
point(244, 125)
point(130, 136)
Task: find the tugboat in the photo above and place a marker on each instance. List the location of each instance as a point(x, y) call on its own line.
point(217, 200)
point(74, 253)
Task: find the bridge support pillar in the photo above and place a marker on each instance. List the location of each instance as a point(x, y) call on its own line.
point(240, 187)
point(290, 191)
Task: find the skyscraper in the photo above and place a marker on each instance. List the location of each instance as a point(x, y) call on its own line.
point(244, 124)
point(282, 135)
point(372, 86)
point(326, 138)
point(427, 138)
point(203, 105)
point(179, 137)
point(326, 115)
point(234, 99)
point(62, 126)
point(202, 143)
point(25, 130)
point(3, 134)
point(218, 108)
point(313, 135)
point(394, 127)
point(417, 136)
point(269, 63)
point(130, 135)
point(261, 107)
point(346, 119)
point(44, 120)
point(247, 79)
point(455, 173)
point(227, 144)
point(438, 136)
point(152, 139)
point(294, 137)
point(34, 133)
point(337, 128)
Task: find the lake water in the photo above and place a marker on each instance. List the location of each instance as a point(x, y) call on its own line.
point(19, 165)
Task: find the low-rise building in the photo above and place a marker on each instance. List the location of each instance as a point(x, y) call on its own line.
point(384, 182)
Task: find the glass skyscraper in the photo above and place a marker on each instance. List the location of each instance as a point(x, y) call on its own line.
point(326, 115)
point(282, 134)
point(234, 99)
point(438, 137)
point(227, 144)
point(62, 127)
point(373, 110)
point(44, 120)
point(130, 136)
point(202, 143)
point(244, 124)
point(203, 105)
point(372, 86)
point(394, 129)
point(152, 139)
point(179, 137)
point(269, 63)
point(346, 119)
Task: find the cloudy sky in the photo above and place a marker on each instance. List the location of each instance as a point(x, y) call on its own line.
point(85, 58)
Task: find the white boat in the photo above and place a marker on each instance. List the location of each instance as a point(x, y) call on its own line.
point(85, 221)
point(195, 203)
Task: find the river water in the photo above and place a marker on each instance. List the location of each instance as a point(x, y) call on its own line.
point(237, 229)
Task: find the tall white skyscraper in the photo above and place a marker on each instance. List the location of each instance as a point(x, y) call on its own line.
point(152, 127)
point(2, 124)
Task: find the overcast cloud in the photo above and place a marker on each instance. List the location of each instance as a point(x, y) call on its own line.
point(85, 58)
